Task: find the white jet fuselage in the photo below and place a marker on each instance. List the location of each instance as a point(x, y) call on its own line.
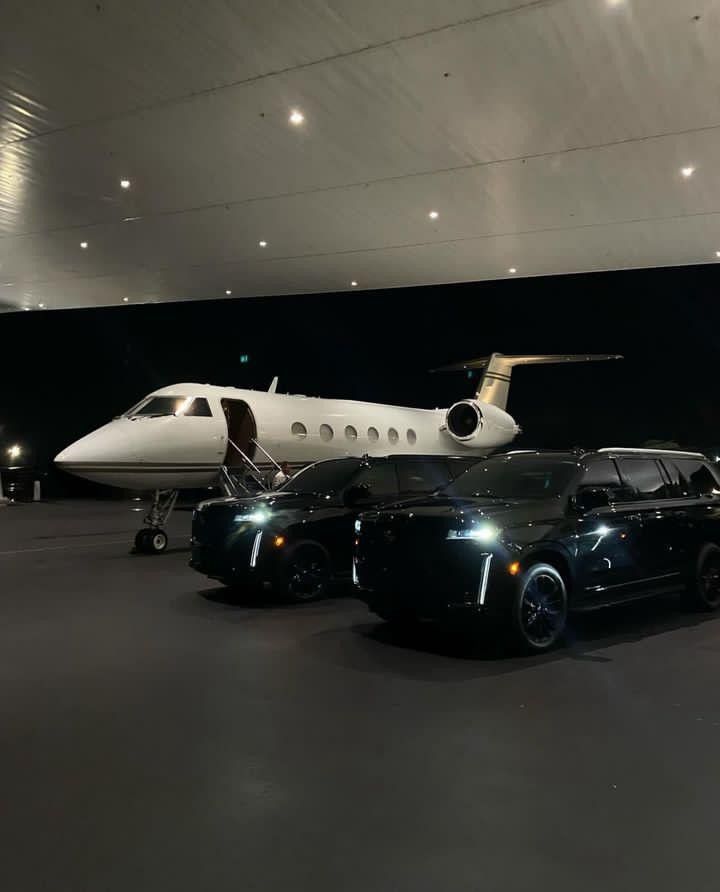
point(181, 451)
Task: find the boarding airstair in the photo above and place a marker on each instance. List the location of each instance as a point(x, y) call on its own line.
point(246, 478)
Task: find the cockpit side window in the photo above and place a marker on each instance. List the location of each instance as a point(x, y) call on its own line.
point(157, 406)
point(199, 408)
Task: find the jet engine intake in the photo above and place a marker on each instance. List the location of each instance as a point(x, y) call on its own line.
point(464, 420)
point(475, 424)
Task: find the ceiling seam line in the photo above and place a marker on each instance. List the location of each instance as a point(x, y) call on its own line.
point(396, 247)
point(474, 165)
point(209, 91)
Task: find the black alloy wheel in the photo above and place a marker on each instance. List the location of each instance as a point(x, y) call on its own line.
point(704, 589)
point(541, 607)
point(307, 574)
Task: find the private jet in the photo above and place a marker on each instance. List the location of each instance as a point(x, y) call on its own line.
point(188, 436)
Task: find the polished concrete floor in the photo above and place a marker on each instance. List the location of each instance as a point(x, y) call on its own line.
point(153, 737)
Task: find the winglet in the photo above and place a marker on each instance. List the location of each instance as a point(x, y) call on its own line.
point(273, 385)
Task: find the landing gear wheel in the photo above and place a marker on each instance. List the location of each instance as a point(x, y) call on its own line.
point(307, 574)
point(540, 609)
point(151, 541)
point(704, 588)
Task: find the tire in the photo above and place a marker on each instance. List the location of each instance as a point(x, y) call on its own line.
point(306, 574)
point(539, 610)
point(141, 544)
point(703, 591)
point(151, 541)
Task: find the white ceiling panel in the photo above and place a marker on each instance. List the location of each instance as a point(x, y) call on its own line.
point(549, 136)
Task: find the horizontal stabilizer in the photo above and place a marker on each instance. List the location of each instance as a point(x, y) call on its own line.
point(494, 385)
point(537, 359)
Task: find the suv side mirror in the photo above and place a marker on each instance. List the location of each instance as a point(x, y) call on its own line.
point(356, 495)
point(591, 499)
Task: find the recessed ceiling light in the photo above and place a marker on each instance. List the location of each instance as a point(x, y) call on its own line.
point(615, 2)
point(512, 270)
point(83, 245)
point(263, 244)
point(296, 117)
point(124, 184)
point(353, 283)
point(27, 309)
point(433, 215)
point(687, 172)
point(228, 291)
point(126, 299)
point(42, 306)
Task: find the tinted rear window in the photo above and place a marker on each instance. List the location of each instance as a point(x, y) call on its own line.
point(420, 476)
point(691, 477)
point(644, 477)
point(602, 474)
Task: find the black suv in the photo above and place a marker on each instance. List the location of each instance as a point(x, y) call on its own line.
point(298, 539)
point(522, 537)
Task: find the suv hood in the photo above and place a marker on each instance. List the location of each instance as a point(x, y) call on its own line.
point(504, 512)
point(272, 501)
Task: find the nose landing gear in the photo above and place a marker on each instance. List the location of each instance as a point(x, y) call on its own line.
point(153, 539)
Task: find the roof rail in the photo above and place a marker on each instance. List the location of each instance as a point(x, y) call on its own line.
point(620, 450)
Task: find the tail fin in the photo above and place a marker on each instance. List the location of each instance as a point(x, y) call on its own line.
point(494, 385)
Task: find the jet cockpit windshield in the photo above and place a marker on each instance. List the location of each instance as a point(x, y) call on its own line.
point(159, 406)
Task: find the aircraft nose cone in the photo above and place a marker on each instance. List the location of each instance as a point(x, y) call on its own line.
point(104, 445)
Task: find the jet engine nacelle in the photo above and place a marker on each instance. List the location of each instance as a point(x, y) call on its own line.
point(476, 424)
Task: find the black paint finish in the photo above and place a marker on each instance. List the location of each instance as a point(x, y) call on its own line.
point(236, 540)
point(640, 531)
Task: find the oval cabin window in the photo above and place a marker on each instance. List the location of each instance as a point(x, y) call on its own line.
point(326, 432)
point(373, 435)
point(411, 437)
point(350, 432)
point(393, 435)
point(298, 430)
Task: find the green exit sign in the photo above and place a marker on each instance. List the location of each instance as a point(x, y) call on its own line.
point(244, 358)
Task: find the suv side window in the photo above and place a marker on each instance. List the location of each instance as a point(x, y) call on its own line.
point(380, 478)
point(691, 477)
point(601, 473)
point(422, 476)
point(644, 477)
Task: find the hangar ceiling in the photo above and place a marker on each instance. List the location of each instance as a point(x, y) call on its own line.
point(548, 137)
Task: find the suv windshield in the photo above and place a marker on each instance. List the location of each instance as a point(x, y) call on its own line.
point(324, 477)
point(515, 477)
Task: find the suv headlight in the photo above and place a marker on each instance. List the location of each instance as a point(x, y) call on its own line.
point(482, 532)
point(258, 517)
